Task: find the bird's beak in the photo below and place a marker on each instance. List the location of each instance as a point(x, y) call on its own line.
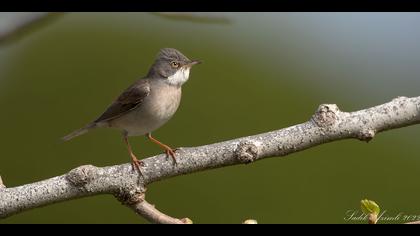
point(193, 62)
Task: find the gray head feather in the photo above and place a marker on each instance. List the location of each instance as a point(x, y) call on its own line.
point(171, 54)
point(163, 67)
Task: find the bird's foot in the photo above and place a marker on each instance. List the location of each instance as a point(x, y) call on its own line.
point(137, 164)
point(171, 152)
point(168, 150)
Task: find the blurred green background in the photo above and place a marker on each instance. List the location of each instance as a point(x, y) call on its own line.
point(261, 72)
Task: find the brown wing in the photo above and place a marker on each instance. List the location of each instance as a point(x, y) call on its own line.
point(128, 100)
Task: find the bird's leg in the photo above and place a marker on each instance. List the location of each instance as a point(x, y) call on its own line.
point(134, 161)
point(168, 150)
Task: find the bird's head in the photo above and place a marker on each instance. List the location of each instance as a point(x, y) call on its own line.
point(173, 66)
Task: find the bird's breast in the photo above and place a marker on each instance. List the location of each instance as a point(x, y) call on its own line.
point(163, 101)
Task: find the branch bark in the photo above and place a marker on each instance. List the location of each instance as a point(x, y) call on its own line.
point(326, 125)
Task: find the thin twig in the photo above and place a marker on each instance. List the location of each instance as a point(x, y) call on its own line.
point(150, 213)
point(20, 23)
point(209, 18)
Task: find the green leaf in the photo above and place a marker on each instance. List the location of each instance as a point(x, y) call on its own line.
point(369, 207)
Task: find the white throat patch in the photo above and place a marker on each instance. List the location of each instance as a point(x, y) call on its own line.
point(180, 77)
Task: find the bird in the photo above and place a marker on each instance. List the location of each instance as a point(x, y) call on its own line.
point(148, 103)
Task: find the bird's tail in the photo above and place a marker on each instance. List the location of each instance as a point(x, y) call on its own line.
point(79, 132)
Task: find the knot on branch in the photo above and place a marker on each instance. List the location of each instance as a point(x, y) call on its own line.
point(246, 152)
point(82, 175)
point(326, 115)
point(366, 135)
point(131, 197)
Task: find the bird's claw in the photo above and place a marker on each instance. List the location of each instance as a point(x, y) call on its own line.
point(137, 164)
point(171, 152)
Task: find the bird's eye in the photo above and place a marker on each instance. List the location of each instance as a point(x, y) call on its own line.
point(174, 64)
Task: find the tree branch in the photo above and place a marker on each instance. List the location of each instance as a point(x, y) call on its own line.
point(16, 25)
point(202, 17)
point(326, 125)
point(148, 211)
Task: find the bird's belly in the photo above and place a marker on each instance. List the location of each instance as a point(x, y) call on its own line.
point(155, 111)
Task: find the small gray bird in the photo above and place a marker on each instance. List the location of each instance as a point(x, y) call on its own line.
point(148, 103)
